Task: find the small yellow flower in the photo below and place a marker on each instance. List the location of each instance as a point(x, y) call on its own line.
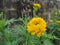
point(50, 20)
point(37, 5)
point(36, 26)
point(59, 11)
point(56, 13)
point(58, 21)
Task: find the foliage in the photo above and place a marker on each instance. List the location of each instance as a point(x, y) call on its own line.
point(54, 26)
point(16, 34)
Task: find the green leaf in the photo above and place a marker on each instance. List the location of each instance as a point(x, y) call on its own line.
point(48, 36)
point(2, 25)
point(32, 40)
point(17, 41)
point(2, 22)
point(48, 42)
point(20, 29)
point(1, 14)
point(8, 22)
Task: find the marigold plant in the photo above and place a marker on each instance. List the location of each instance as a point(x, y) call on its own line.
point(36, 26)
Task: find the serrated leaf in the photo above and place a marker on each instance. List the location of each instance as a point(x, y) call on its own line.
point(17, 41)
point(8, 22)
point(47, 42)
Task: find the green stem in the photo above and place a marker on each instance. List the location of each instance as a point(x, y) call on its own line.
point(2, 15)
point(26, 43)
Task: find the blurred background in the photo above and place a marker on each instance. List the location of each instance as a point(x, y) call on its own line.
point(15, 14)
point(24, 8)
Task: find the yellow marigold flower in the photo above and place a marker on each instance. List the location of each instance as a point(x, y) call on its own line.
point(58, 21)
point(37, 5)
point(50, 20)
point(36, 26)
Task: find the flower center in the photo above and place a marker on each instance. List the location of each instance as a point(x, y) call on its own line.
point(36, 23)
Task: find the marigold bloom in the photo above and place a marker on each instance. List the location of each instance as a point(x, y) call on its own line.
point(37, 5)
point(36, 26)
